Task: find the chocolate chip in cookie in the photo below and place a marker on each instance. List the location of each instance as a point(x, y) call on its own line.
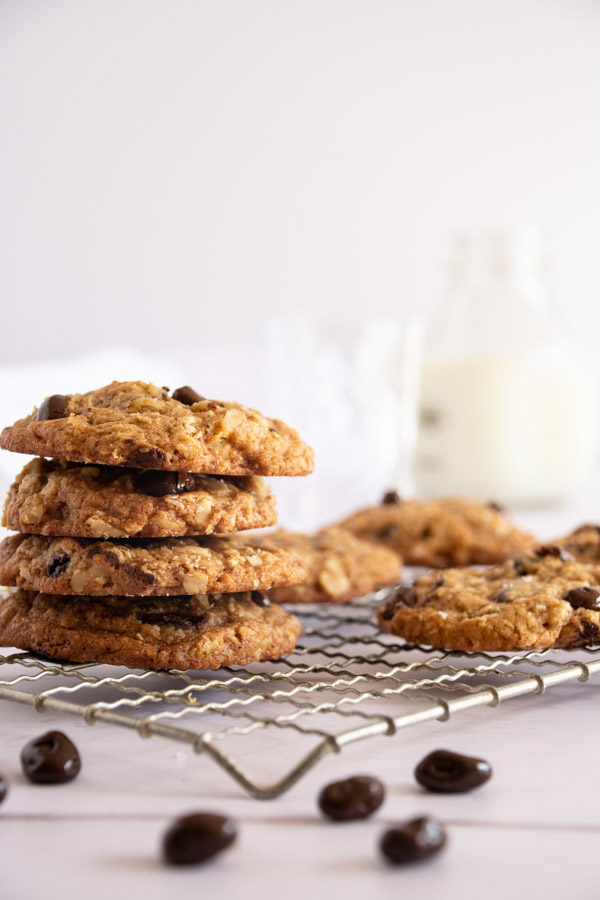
point(187, 395)
point(390, 498)
point(157, 483)
point(53, 407)
point(146, 458)
point(583, 598)
point(403, 595)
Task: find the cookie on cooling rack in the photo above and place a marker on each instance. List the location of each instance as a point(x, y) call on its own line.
point(55, 497)
point(131, 423)
point(539, 599)
point(339, 565)
point(146, 566)
point(192, 632)
point(440, 533)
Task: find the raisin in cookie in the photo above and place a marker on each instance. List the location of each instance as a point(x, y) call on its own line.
point(54, 497)
point(198, 632)
point(135, 424)
point(440, 533)
point(538, 599)
point(340, 567)
point(145, 566)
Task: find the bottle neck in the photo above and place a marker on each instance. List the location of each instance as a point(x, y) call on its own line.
point(496, 299)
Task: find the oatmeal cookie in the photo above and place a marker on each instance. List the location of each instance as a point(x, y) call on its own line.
point(131, 423)
point(583, 543)
point(538, 599)
point(145, 566)
point(195, 632)
point(340, 567)
point(440, 533)
point(54, 497)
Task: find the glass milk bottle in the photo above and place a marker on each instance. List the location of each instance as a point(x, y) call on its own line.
point(505, 409)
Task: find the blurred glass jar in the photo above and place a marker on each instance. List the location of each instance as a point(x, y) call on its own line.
point(506, 409)
point(350, 387)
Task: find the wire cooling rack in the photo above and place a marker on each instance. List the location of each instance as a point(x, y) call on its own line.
point(346, 681)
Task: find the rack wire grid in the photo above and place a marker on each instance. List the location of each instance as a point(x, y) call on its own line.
point(347, 681)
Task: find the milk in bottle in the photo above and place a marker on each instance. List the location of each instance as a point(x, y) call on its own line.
point(506, 409)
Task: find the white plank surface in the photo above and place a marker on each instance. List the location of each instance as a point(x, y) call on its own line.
point(293, 859)
point(100, 835)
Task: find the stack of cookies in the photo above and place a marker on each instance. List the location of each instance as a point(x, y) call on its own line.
point(125, 553)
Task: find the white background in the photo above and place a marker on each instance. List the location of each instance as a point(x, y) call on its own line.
point(174, 173)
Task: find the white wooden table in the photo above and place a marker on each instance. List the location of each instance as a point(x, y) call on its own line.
point(532, 831)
